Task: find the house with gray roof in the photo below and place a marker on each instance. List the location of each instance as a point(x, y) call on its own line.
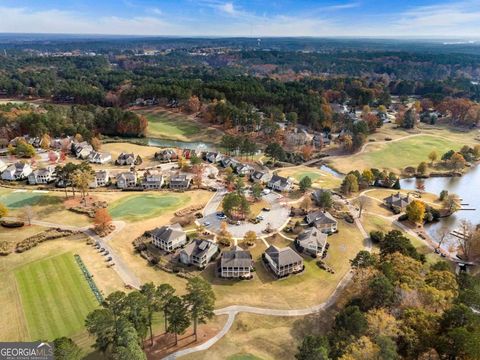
point(169, 237)
point(311, 241)
point(128, 159)
point(244, 169)
point(213, 157)
point(82, 150)
point(280, 183)
point(283, 262)
point(226, 161)
point(152, 179)
point(17, 171)
point(96, 157)
point(397, 201)
point(127, 180)
point(42, 176)
point(198, 253)
point(101, 178)
point(260, 176)
point(179, 182)
point(236, 263)
point(323, 221)
point(166, 155)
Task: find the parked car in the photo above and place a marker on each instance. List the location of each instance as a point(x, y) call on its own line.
point(198, 215)
point(109, 258)
point(260, 217)
point(206, 223)
point(221, 215)
point(266, 209)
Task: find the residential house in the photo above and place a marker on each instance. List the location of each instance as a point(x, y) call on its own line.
point(96, 157)
point(226, 161)
point(312, 241)
point(320, 140)
point(283, 262)
point(323, 221)
point(179, 182)
point(82, 150)
point(169, 237)
point(128, 159)
point(213, 157)
point(398, 201)
point(101, 178)
point(244, 169)
point(127, 180)
point(152, 179)
point(317, 195)
point(236, 263)
point(198, 253)
point(17, 171)
point(296, 138)
point(42, 176)
point(280, 183)
point(166, 155)
point(260, 176)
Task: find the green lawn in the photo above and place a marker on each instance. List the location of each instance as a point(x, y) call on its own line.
point(164, 124)
point(55, 297)
point(18, 200)
point(244, 357)
point(396, 155)
point(320, 178)
point(138, 207)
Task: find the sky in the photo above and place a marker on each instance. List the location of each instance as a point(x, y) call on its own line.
point(256, 18)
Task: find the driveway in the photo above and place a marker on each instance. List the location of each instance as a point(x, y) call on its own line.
point(276, 217)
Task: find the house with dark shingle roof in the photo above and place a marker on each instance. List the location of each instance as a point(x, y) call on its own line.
point(283, 262)
point(179, 182)
point(42, 176)
point(198, 253)
point(322, 220)
point(311, 241)
point(169, 237)
point(397, 201)
point(260, 177)
point(280, 183)
point(236, 263)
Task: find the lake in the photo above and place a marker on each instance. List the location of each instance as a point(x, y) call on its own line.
point(467, 187)
point(199, 146)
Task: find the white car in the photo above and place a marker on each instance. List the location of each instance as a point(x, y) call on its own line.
point(266, 191)
point(206, 223)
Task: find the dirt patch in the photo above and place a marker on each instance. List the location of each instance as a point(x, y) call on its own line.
point(164, 345)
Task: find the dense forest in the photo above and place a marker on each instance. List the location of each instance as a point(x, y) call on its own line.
point(238, 81)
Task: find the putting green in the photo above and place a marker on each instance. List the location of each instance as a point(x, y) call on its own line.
point(55, 297)
point(18, 200)
point(138, 207)
point(314, 176)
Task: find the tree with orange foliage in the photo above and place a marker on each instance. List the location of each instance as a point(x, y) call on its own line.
point(96, 143)
point(307, 151)
point(198, 175)
point(193, 104)
point(102, 219)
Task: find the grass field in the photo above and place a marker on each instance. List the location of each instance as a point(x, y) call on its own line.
point(55, 297)
point(138, 207)
point(396, 155)
point(165, 124)
point(45, 206)
point(320, 178)
point(146, 152)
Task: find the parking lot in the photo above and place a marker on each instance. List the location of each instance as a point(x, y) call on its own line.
point(276, 217)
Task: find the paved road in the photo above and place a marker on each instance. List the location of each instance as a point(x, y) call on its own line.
point(277, 216)
point(120, 267)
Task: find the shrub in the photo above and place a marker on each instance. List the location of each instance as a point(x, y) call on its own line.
point(377, 236)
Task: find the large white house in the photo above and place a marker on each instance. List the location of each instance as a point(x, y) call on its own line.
point(96, 157)
point(17, 171)
point(169, 237)
point(280, 183)
point(322, 220)
point(283, 262)
point(42, 176)
point(101, 178)
point(82, 150)
point(152, 179)
point(127, 180)
point(236, 263)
